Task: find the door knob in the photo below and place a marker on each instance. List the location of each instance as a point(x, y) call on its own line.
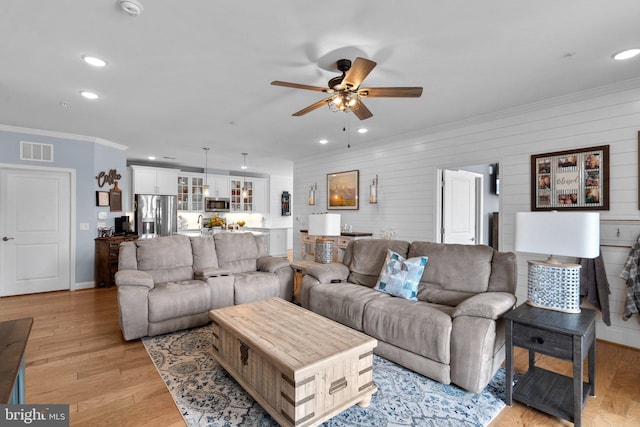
point(5, 238)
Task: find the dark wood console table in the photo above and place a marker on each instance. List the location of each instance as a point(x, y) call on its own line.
point(106, 258)
point(13, 342)
point(566, 336)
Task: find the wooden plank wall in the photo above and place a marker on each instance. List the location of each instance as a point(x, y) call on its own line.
point(407, 169)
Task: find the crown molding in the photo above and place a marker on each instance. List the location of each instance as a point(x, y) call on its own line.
point(62, 135)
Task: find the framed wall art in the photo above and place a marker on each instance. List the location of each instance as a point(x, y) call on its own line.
point(571, 180)
point(343, 189)
point(102, 198)
point(115, 198)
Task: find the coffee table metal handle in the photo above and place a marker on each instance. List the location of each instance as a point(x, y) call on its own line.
point(537, 340)
point(338, 385)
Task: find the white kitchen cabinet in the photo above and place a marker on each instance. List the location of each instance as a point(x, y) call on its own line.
point(256, 198)
point(149, 180)
point(219, 186)
point(190, 192)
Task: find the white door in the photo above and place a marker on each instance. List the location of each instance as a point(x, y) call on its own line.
point(35, 252)
point(459, 207)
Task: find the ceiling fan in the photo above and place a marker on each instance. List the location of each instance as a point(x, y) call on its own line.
point(346, 89)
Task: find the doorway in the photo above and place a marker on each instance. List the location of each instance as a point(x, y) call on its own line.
point(36, 217)
point(467, 204)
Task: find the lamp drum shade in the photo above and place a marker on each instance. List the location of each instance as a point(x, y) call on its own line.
point(575, 234)
point(324, 225)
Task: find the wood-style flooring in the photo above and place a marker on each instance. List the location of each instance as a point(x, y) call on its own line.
point(76, 355)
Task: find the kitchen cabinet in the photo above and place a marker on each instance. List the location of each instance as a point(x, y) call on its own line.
point(219, 186)
point(149, 180)
point(256, 198)
point(190, 192)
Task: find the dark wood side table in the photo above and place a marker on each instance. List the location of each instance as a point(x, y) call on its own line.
point(106, 258)
point(14, 335)
point(563, 335)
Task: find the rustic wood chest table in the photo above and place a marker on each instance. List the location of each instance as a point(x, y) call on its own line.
point(300, 367)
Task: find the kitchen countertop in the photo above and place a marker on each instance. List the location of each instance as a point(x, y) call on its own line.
point(348, 233)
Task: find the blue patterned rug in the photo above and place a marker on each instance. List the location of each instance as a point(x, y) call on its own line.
point(207, 396)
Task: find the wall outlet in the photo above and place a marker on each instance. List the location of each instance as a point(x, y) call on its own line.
point(102, 215)
point(84, 226)
point(102, 224)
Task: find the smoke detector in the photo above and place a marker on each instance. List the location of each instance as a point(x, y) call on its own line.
point(131, 7)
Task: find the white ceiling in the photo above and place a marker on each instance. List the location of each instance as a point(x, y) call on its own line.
point(191, 74)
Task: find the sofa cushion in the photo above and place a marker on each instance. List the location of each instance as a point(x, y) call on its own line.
point(455, 272)
point(416, 326)
point(175, 299)
point(255, 286)
point(166, 259)
point(237, 252)
point(204, 253)
point(400, 277)
point(343, 302)
point(365, 258)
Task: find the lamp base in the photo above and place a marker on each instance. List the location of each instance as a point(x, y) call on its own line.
point(324, 250)
point(554, 286)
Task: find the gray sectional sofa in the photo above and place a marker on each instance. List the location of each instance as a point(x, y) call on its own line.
point(170, 283)
point(453, 333)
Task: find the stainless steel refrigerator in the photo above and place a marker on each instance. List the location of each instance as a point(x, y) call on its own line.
point(156, 215)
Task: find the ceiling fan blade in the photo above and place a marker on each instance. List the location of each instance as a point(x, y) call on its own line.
point(362, 112)
point(312, 107)
point(391, 92)
point(359, 70)
point(299, 86)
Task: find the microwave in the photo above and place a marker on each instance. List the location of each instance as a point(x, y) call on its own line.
point(216, 205)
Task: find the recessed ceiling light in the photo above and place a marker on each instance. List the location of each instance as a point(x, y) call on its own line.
point(363, 130)
point(626, 54)
point(89, 95)
point(151, 157)
point(323, 141)
point(94, 60)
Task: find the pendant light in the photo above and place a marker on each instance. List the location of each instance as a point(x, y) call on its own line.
point(206, 167)
point(245, 193)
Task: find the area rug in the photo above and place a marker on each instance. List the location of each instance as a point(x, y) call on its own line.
point(207, 396)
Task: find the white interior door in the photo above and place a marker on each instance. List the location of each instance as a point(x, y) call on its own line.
point(35, 248)
point(459, 207)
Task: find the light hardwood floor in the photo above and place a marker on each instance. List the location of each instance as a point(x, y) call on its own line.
point(76, 355)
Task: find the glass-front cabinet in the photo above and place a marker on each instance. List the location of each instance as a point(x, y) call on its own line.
point(190, 192)
point(240, 203)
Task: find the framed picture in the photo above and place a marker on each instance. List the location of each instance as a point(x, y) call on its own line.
point(343, 189)
point(571, 180)
point(102, 198)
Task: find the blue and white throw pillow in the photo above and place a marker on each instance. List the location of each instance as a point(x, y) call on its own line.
point(400, 277)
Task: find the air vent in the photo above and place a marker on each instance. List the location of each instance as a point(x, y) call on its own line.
point(36, 151)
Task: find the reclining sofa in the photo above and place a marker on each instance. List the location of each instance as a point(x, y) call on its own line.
point(452, 333)
point(170, 283)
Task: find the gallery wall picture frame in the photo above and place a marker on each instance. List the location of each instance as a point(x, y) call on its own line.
point(102, 198)
point(571, 180)
point(343, 189)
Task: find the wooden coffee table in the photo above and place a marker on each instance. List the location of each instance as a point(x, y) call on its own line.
point(300, 367)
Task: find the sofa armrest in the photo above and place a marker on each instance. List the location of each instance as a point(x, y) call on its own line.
point(134, 278)
point(490, 305)
point(328, 273)
point(205, 273)
point(271, 264)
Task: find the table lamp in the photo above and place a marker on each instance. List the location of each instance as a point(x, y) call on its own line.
point(324, 225)
point(552, 284)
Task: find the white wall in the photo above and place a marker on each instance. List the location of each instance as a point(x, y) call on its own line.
point(278, 184)
point(407, 167)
